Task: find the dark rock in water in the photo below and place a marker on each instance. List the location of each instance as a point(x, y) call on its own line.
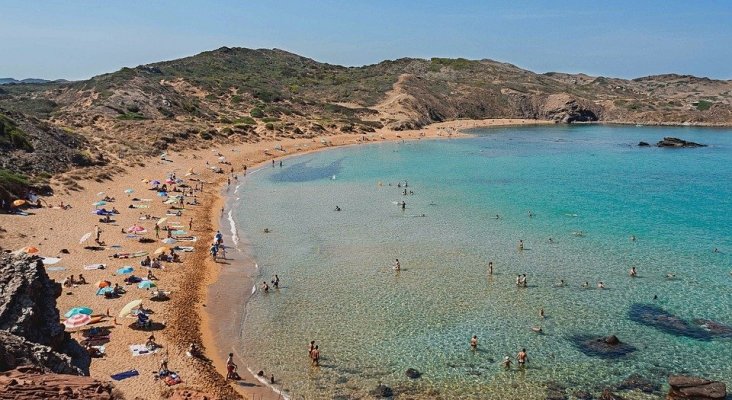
point(656, 317)
point(637, 382)
point(582, 395)
point(607, 394)
point(676, 142)
point(555, 391)
point(382, 391)
point(694, 388)
point(412, 373)
point(715, 328)
point(604, 347)
point(612, 340)
point(644, 144)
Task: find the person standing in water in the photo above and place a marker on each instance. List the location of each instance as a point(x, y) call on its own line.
point(397, 265)
point(474, 343)
point(490, 267)
point(633, 272)
point(521, 244)
point(315, 356)
point(522, 358)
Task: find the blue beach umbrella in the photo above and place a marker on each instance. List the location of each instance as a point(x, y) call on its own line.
point(105, 290)
point(146, 284)
point(125, 270)
point(78, 310)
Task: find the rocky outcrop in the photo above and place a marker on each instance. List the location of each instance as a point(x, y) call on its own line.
point(382, 391)
point(412, 373)
point(29, 320)
point(16, 352)
point(30, 383)
point(700, 329)
point(694, 388)
point(676, 142)
point(604, 347)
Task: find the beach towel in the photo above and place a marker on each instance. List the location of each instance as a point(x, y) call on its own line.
point(95, 266)
point(146, 200)
point(173, 214)
point(140, 350)
point(185, 248)
point(124, 375)
point(140, 206)
point(186, 238)
point(129, 255)
point(49, 269)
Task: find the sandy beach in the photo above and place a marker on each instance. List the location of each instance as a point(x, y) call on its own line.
point(207, 297)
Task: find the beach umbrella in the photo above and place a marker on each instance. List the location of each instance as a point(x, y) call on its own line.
point(78, 310)
point(77, 320)
point(125, 270)
point(169, 241)
point(161, 250)
point(102, 284)
point(161, 221)
point(85, 237)
point(146, 284)
point(126, 310)
point(136, 229)
point(19, 202)
point(99, 203)
point(105, 290)
point(29, 250)
point(129, 191)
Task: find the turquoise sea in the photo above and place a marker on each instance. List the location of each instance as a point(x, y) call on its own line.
point(590, 188)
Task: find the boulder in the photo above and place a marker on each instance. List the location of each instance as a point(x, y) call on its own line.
point(638, 382)
point(695, 388)
point(603, 347)
point(716, 329)
point(582, 395)
point(656, 317)
point(412, 373)
point(382, 391)
point(644, 144)
point(30, 331)
point(676, 142)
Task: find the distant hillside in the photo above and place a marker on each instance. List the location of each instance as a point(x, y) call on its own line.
point(5, 81)
point(245, 95)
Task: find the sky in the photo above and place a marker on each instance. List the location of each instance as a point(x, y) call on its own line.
point(77, 39)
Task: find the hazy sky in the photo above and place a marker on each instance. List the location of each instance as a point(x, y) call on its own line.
point(79, 39)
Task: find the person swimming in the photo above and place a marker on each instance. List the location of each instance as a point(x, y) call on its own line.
point(600, 285)
point(633, 272)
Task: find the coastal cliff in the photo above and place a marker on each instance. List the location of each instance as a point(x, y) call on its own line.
point(30, 330)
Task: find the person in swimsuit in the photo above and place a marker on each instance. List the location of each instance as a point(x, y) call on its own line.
point(397, 266)
point(490, 267)
point(474, 342)
point(507, 362)
point(521, 245)
point(315, 356)
point(522, 358)
point(311, 347)
point(633, 272)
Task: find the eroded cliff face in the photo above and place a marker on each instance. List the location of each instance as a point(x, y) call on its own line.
point(31, 383)
point(30, 329)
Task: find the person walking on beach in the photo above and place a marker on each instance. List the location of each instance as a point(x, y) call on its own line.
point(157, 231)
point(97, 233)
point(474, 342)
point(222, 248)
point(231, 367)
point(522, 358)
point(214, 251)
point(190, 224)
point(315, 356)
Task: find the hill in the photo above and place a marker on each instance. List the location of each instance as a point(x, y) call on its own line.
point(245, 95)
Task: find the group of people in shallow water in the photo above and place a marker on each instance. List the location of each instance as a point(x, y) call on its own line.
point(522, 357)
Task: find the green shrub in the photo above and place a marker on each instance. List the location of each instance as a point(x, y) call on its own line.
point(12, 136)
point(236, 99)
point(257, 113)
point(704, 105)
point(130, 116)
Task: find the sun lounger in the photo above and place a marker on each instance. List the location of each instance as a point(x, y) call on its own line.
point(124, 375)
point(186, 238)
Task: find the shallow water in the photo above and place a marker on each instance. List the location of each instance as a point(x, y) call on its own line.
point(372, 323)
